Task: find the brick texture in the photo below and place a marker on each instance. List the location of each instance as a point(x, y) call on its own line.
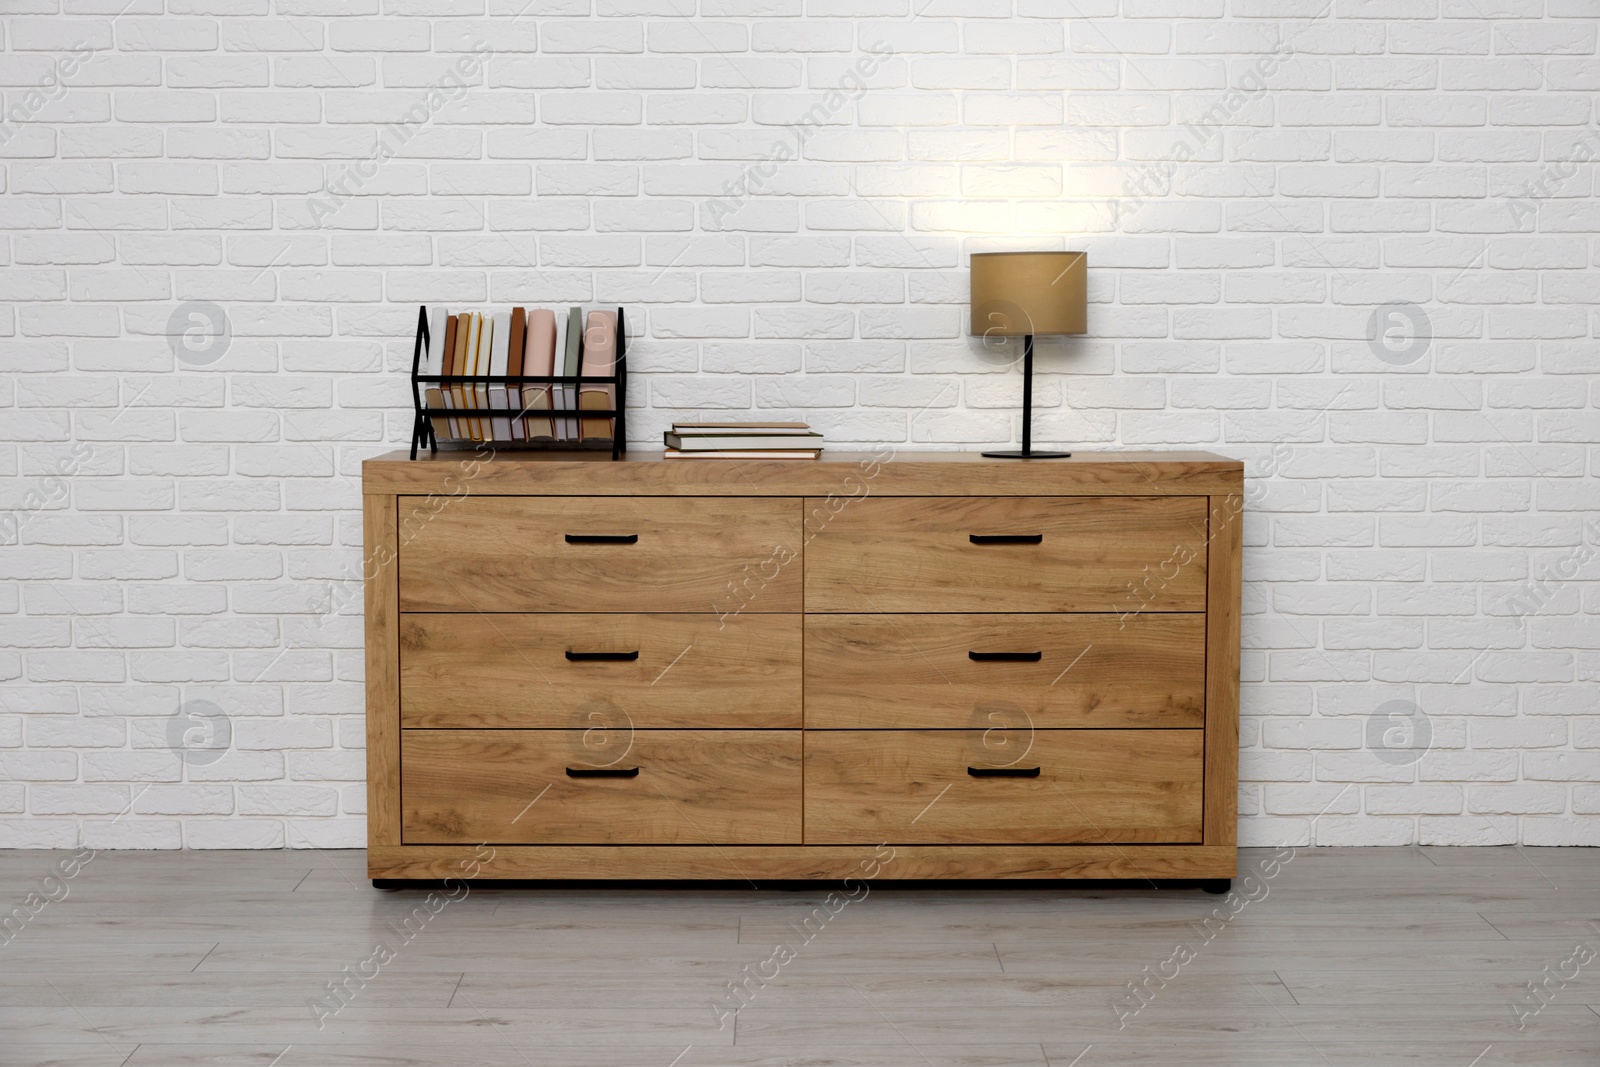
point(1353, 246)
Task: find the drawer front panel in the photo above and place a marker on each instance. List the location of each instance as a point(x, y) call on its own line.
point(981, 671)
point(569, 671)
point(691, 787)
point(1023, 554)
point(602, 554)
point(916, 787)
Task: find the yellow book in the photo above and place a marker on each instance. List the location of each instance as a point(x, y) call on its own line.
point(474, 340)
point(600, 360)
point(485, 348)
point(460, 428)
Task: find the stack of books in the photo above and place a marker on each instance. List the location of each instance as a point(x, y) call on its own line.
point(742, 440)
point(522, 342)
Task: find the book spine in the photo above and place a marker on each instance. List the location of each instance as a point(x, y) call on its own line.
point(469, 397)
point(485, 344)
point(452, 360)
point(517, 344)
point(571, 368)
point(500, 354)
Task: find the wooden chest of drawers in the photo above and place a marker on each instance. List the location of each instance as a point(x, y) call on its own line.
point(715, 670)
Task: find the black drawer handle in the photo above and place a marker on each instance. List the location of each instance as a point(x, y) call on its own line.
point(602, 539)
point(1006, 539)
point(602, 772)
point(618, 656)
point(1006, 657)
point(997, 772)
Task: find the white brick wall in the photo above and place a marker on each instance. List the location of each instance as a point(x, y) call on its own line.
point(1258, 186)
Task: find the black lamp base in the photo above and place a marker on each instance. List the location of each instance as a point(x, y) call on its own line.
point(1028, 455)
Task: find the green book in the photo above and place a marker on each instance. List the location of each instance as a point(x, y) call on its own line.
point(571, 360)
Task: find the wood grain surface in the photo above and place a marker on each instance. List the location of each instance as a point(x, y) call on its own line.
point(1223, 590)
point(709, 555)
point(704, 571)
point(917, 671)
point(691, 671)
point(1339, 957)
point(812, 861)
point(1102, 554)
point(692, 787)
point(915, 786)
point(380, 603)
point(885, 472)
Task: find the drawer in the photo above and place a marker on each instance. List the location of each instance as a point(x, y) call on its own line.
point(918, 787)
point(1010, 554)
point(666, 787)
point(609, 671)
point(723, 555)
point(979, 671)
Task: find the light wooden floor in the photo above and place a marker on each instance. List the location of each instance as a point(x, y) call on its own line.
point(1406, 956)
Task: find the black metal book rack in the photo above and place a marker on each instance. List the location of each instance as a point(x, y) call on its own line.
point(424, 433)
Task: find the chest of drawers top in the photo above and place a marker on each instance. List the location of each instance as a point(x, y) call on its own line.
point(885, 472)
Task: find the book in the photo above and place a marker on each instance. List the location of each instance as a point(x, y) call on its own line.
point(474, 339)
point(438, 396)
point(539, 360)
point(469, 424)
point(739, 427)
point(499, 358)
point(571, 364)
point(433, 358)
point(711, 442)
point(797, 453)
point(556, 393)
point(516, 342)
point(599, 360)
point(461, 427)
point(485, 356)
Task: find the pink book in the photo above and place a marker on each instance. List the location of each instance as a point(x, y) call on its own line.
point(539, 358)
point(599, 359)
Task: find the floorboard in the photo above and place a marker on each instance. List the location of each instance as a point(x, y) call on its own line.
point(1417, 957)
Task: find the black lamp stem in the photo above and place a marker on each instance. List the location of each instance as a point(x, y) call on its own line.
point(1027, 413)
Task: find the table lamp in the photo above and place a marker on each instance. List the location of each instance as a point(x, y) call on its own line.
point(1020, 294)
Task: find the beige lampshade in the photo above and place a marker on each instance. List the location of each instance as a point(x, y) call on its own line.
point(1020, 293)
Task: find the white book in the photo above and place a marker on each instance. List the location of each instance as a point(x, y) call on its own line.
point(432, 360)
point(499, 355)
